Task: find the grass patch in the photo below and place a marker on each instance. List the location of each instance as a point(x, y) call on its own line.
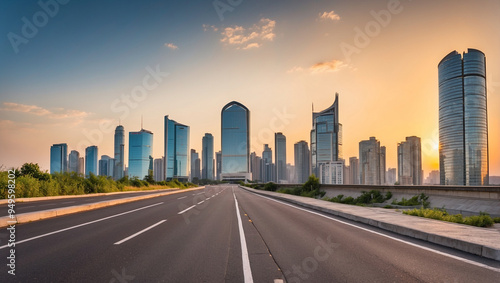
point(481, 220)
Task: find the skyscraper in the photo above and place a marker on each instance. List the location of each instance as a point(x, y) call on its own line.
point(371, 160)
point(326, 136)
point(119, 170)
point(235, 142)
point(207, 154)
point(391, 176)
point(195, 165)
point(463, 119)
point(140, 154)
point(73, 161)
point(280, 158)
point(267, 164)
point(410, 162)
point(91, 154)
point(302, 157)
point(81, 166)
point(176, 149)
point(354, 167)
point(255, 162)
point(59, 158)
point(106, 166)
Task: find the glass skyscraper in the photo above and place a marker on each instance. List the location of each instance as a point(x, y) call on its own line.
point(140, 153)
point(176, 150)
point(280, 157)
point(326, 136)
point(119, 170)
point(463, 123)
point(91, 160)
point(302, 158)
point(207, 153)
point(235, 142)
point(73, 161)
point(59, 158)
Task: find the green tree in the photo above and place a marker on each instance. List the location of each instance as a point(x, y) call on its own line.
point(312, 184)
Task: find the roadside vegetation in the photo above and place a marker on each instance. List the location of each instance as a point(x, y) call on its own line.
point(32, 182)
point(481, 220)
point(366, 198)
point(421, 200)
point(309, 189)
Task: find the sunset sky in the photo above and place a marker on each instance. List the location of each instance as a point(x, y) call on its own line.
point(82, 69)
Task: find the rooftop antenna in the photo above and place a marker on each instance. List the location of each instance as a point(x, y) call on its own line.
point(142, 118)
point(312, 105)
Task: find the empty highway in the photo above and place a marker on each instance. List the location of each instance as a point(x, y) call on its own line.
point(225, 234)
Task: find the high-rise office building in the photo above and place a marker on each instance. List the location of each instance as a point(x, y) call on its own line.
point(281, 175)
point(331, 172)
point(371, 163)
point(410, 162)
point(140, 154)
point(195, 165)
point(433, 178)
point(354, 167)
point(218, 162)
point(255, 164)
point(463, 119)
point(81, 166)
point(391, 176)
point(106, 166)
point(158, 169)
point(91, 160)
point(326, 136)
point(302, 158)
point(267, 166)
point(119, 170)
point(59, 158)
point(235, 142)
point(291, 174)
point(347, 174)
point(207, 153)
point(176, 149)
point(73, 161)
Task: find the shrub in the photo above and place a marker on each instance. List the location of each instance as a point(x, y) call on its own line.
point(414, 201)
point(482, 220)
point(496, 219)
point(271, 187)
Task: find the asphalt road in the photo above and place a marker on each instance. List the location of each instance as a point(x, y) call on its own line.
point(197, 237)
point(31, 206)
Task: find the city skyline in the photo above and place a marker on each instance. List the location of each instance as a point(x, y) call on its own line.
point(389, 89)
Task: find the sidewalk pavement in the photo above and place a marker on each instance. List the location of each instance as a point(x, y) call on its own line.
point(43, 214)
point(475, 240)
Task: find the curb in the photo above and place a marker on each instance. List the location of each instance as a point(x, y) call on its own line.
point(44, 214)
point(473, 248)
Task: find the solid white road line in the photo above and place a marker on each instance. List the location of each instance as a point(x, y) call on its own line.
point(83, 224)
point(182, 197)
point(390, 237)
point(186, 209)
point(247, 271)
point(138, 233)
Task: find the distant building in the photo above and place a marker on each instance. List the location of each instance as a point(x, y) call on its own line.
point(302, 161)
point(371, 162)
point(106, 166)
point(267, 166)
point(140, 154)
point(218, 164)
point(391, 176)
point(326, 137)
point(195, 165)
point(235, 142)
point(81, 166)
point(91, 160)
point(354, 168)
point(281, 175)
point(347, 174)
point(176, 149)
point(73, 161)
point(463, 119)
point(158, 169)
point(255, 164)
point(291, 174)
point(331, 172)
point(433, 178)
point(494, 180)
point(207, 153)
point(119, 154)
point(59, 158)
point(410, 162)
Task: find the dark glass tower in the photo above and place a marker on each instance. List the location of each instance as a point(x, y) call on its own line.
point(119, 170)
point(176, 150)
point(463, 122)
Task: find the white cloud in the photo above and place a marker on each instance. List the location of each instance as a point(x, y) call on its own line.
point(171, 46)
point(252, 37)
point(329, 16)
